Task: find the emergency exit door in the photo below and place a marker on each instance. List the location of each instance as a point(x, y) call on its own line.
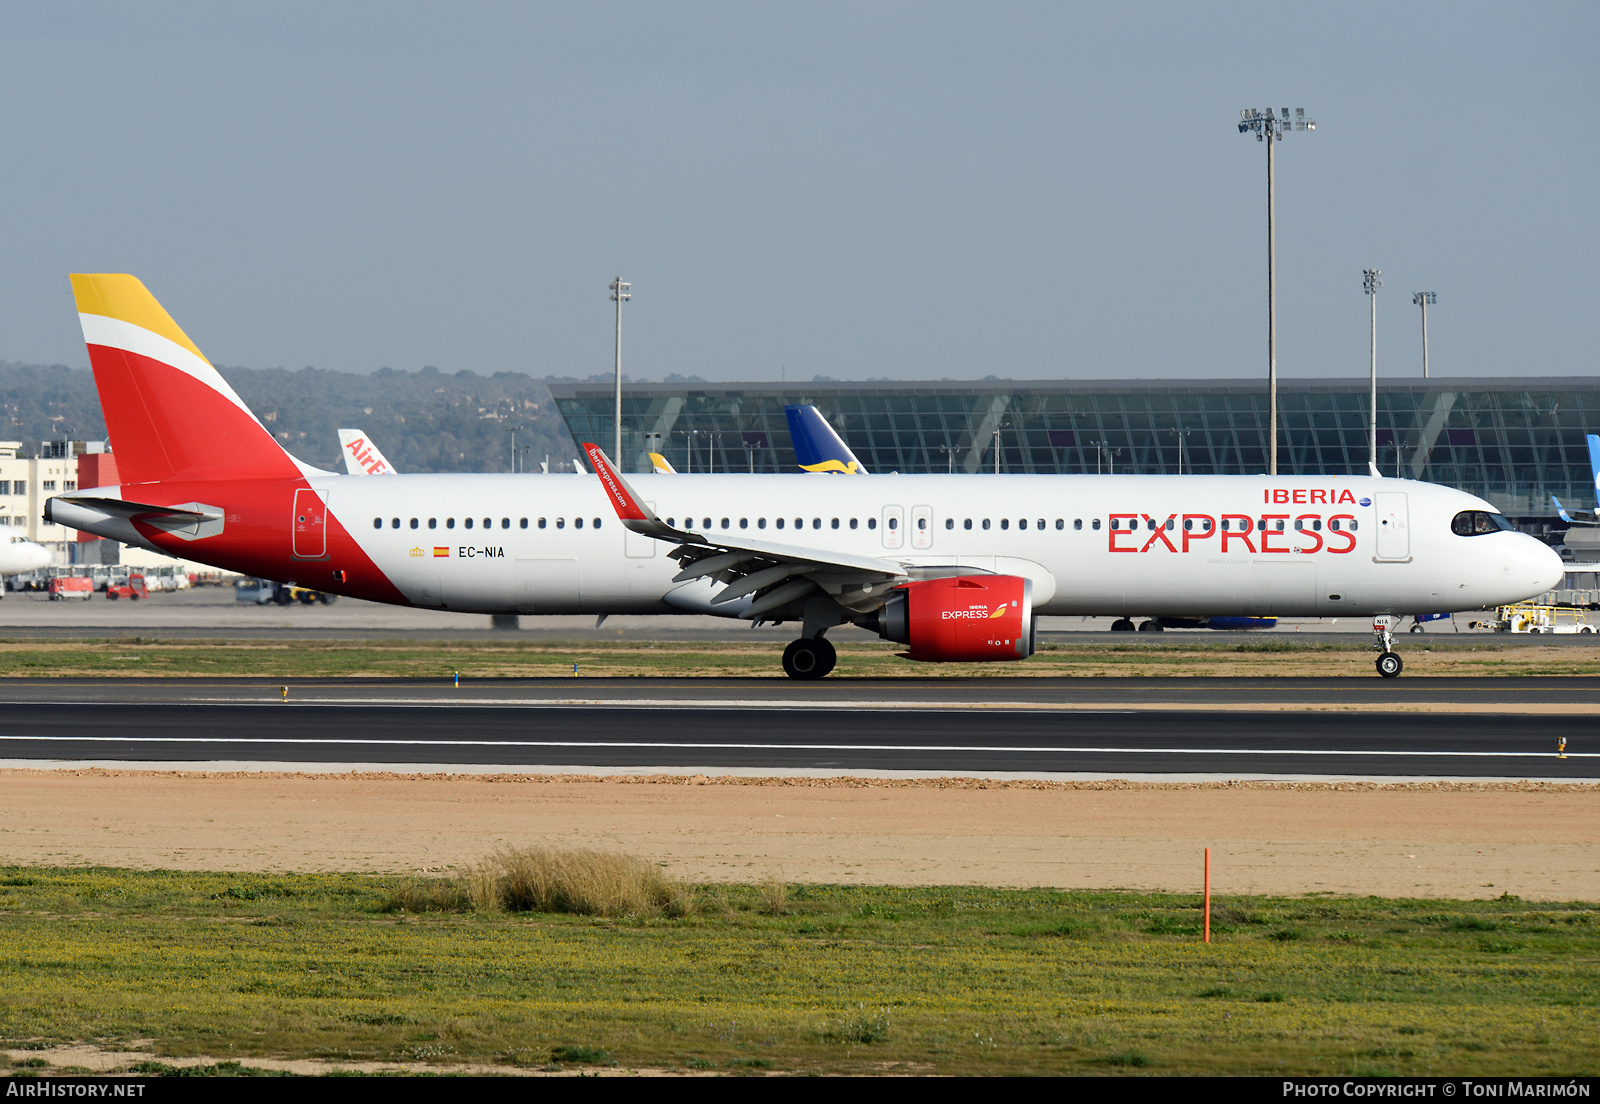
point(310, 525)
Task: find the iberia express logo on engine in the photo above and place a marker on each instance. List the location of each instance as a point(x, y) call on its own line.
point(974, 613)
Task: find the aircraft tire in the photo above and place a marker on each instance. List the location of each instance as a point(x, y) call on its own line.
point(1417, 628)
point(830, 656)
point(1390, 665)
point(804, 659)
point(1152, 626)
point(1122, 625)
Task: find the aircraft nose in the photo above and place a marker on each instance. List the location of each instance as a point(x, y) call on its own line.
point(1545, 566)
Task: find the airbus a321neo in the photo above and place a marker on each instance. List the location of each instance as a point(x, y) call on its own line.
point(952, 567)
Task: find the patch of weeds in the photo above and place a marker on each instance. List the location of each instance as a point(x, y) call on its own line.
point(1215, 991)
point(1498, 946)
point(1270, 998)
point(876, 912)
point(1287, 935)
point(1127, 1058)
point(1474, 924)
point(423, 1052)
point(581, 1055)
point(20, 880)
point(859, 1025)
point(376, 1019)
point(30, 1063)
point(773, 899)
point(216, 1069)
point(1409, 1030)
point(752, 1063)
point(1167, 925)
point(1057, 928)
point(700, 1063)
point(1344, 936)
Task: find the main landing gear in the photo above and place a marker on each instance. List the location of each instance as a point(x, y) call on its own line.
point(809, 658)
point(1389, 662)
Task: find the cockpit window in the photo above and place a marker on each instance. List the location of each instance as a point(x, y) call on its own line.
point(1475, 523)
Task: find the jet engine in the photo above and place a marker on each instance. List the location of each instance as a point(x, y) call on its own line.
point(965, 618)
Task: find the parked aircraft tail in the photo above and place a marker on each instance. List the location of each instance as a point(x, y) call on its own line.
point(168, 412)
point(817, 448)
point(361, 456)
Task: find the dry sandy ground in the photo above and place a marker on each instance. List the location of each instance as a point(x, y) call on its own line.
point(1535, 840)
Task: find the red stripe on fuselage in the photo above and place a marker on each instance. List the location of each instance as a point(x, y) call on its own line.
point(257, 538)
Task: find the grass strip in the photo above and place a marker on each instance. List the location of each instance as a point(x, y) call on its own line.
point(136, 656)
point(804, 978)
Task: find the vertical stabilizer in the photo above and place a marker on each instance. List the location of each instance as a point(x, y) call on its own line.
point(817, 448)
point(361, 455)
point(168, 412)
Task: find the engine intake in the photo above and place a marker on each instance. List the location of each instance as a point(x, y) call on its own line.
point(963, 619)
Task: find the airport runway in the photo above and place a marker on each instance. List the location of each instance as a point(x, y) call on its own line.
point(1106, 727)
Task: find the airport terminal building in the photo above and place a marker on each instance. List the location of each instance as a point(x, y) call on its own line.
point(1514, 442)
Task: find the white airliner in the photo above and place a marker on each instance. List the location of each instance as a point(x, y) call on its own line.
point(19, 555)
point(953, 567)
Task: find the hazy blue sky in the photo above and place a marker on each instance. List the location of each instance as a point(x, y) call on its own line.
point(913, 190)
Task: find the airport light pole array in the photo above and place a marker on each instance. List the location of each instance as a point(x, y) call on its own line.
point(619, 296)
point(1424, 299)
point(1270, 128)
point(1371, 281)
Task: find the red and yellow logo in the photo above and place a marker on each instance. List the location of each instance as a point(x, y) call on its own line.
point(439, 550)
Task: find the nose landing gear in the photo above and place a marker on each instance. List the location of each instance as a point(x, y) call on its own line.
point(1389, 662)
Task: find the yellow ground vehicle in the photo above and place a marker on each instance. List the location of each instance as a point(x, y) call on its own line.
point(1530, 618)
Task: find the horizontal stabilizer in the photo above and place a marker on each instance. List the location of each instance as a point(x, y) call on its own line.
point(115, 518)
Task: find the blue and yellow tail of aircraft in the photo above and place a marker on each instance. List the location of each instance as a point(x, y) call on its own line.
point(1594, 470)
point(817, 448)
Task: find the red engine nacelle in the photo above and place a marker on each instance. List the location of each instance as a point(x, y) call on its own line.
point(966, 618)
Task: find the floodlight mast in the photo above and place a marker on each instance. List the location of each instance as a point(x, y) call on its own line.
point(1270, 127)
point(1424, 299)
point(1371, 281)
point(619, 296)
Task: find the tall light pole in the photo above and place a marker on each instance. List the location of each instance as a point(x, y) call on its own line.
point(619, 296)
point(1424, 299)
point(1270, 128)
point(1371, 281)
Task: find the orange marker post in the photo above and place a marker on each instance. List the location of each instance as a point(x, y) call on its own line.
point(1208, 895)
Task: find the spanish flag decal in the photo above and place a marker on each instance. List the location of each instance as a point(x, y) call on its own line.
point(440, 551)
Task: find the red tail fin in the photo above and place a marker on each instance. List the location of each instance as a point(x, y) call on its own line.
point(169, 413)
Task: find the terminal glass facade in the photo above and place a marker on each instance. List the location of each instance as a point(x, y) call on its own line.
point(1513, 442)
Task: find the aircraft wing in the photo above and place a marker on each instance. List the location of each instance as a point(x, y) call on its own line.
point(775, 574)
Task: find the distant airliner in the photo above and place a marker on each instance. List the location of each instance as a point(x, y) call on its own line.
point(953, 567)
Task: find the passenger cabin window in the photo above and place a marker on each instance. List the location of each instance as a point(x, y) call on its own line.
point(377, 523)
point(872, 523)
point(597, 523)
point(1096, 523)
point(505, 523)
point(1475, 523)
point(542, 523)
point(835, 523)
point(433, 523)
point(1041, 523)
point(949, 523)
point(816, 523)
point(395, 524)
point(1005, 523)
point(577, 523)
point(854, 523)
point(467, 523)
point(744, 523)
point(986, 523)
point(561, 523)
point(1022, 523)
point(523, 523)
point(761, 523)
point(1077, 523)
point(778, 523)
point(449, 523)
point(967, 524)
point(413, 523)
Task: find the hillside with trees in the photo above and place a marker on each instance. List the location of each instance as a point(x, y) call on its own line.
point(424, 421)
